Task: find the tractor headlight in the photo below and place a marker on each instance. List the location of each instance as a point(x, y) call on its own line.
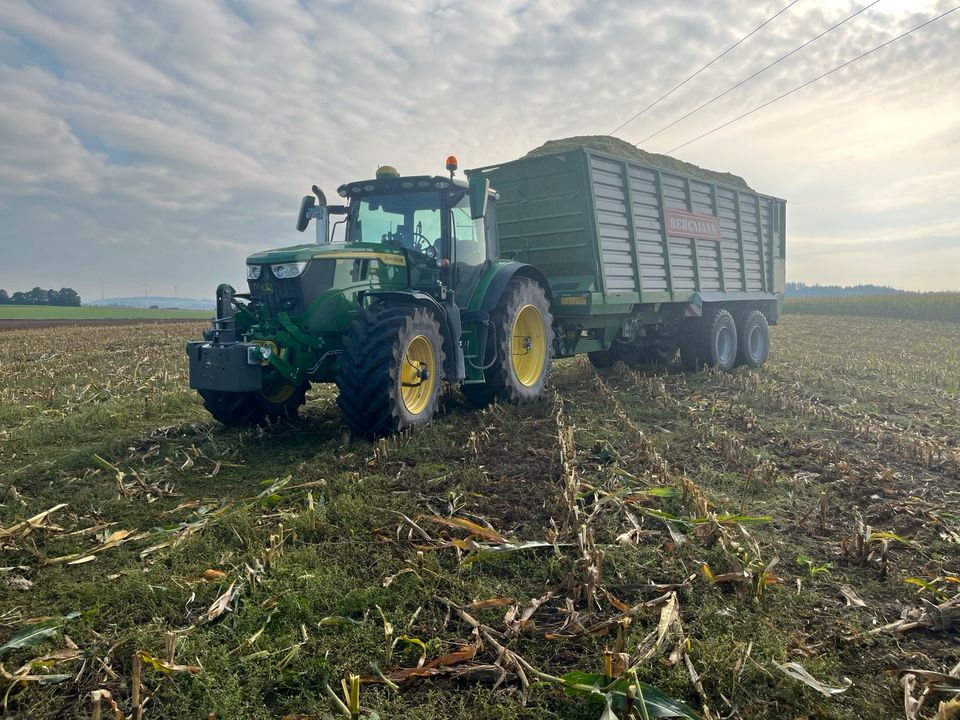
point(253, 272)
point(288, 270)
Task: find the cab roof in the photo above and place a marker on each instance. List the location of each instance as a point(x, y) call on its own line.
point(410, 183)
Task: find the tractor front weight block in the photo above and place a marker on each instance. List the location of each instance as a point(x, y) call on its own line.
point(230, 367)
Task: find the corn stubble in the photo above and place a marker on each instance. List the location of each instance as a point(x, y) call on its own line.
point(638, 544)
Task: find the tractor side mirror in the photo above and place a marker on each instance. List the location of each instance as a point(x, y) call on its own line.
point(302, 219)
point(479, 190)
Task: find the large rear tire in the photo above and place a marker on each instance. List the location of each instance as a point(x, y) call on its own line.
point(710, 341)
point(719, 340)
point(753, 335)
point(245, 409)
point(524, 346)
point(390, 370)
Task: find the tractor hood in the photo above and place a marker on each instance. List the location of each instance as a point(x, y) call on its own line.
point(312, 251)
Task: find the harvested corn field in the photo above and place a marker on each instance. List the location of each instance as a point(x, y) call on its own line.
point(760, 544)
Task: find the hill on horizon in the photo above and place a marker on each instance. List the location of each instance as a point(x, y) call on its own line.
point(158, 301)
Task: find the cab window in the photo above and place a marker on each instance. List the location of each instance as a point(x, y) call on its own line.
point(469, 234)
point(411, 219)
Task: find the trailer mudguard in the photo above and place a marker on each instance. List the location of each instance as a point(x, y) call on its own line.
point(450, 326)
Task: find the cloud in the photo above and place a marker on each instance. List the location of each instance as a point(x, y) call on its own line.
point(160, 143)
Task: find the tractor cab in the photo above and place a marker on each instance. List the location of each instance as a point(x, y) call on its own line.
point(430, 221)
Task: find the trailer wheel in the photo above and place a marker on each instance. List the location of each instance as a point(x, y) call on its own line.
point(390, 370)
point(719, 341)
point(754, 339)
point(246, 409)
point(662, 355)
point(655, 354)
point(524, 344)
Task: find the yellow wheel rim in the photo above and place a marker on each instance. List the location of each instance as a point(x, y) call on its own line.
point(418, 374)
point(528, 349)
point(277, 393)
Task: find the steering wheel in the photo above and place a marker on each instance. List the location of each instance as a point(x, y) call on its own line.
point(420, 242)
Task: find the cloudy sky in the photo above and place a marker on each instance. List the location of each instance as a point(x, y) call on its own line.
point(156, 144)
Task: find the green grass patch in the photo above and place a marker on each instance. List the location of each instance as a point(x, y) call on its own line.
point(89, 312)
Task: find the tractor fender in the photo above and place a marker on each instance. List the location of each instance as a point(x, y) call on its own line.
point(502, 278)
point(493, 293)
point(448, 315)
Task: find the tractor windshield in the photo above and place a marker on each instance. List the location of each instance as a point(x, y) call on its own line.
point(410, 220)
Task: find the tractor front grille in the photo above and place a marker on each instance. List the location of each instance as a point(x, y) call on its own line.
point(293, 295)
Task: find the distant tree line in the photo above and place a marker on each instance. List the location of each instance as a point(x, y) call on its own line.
point(64, 297)
point(802, 290)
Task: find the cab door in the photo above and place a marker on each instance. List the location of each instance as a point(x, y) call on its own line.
point(469, 250)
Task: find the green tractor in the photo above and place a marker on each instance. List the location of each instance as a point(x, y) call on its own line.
point(417, 295)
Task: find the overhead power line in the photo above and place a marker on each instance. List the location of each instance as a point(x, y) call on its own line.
point(763, 69)
point(819, 77)
point(691, 77)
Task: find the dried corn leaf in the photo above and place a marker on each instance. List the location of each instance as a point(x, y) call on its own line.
point(19, 583)
point(940, 617)
point(797, 672)
point(36, 522)
point(222, 603)
point(486, 551)
point(116, 538)
point(58, 656)
point(83, 560)
point(167, 667)
point(490, 603)
point(442, 665)
point(468, 525)
point(850, 595)
point(942, 682)
point(25, 676)
point(949, 710)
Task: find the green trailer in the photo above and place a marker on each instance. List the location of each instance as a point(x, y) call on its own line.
point(482, 283)
point(641, 259)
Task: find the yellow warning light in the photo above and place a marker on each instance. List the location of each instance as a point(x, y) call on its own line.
point(452, 163)
point(385, 171)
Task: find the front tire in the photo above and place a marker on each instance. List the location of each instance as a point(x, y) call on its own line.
point(246, 409)
point(524, 345)
point(390, 370)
